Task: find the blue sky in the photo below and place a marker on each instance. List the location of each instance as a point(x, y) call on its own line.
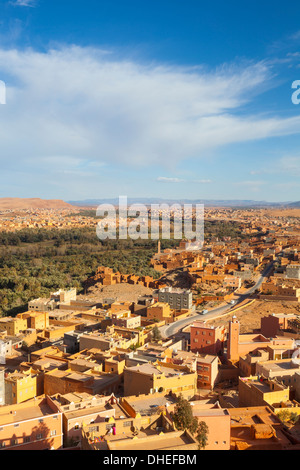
point(166, 99)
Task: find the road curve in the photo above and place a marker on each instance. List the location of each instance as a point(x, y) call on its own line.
point(168, 330)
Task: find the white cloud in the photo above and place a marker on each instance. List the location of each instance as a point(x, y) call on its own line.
point(289, 164)
point(202, 181)
point(166, 179)
point(24, 3)
point(92, 107)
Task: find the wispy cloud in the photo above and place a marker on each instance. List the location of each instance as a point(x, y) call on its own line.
point(92, 106)
point(202, 181)
point(24, 3)
point(253, 186)
point(289, 164)
point(166, 179)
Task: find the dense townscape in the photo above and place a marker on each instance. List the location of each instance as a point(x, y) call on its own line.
point(198, 350)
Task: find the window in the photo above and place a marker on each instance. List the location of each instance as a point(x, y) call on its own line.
point(14, 442)
point(26, 439)
point(39, 436)
point(2, 444)
point(126, 424)
point(53, 432)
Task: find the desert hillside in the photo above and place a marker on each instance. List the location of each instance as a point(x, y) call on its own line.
point(32, 203)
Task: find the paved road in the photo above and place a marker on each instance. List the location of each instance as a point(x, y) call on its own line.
point(169, 330)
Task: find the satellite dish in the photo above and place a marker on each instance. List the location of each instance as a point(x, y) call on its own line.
point(295, 357)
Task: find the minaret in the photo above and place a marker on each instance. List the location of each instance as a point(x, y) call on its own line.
point(158, 247)
point(233, 340)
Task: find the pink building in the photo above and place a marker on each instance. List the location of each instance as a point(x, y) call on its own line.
point(207, 339)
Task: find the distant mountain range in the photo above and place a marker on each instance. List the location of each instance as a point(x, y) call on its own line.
point(206, 202)
point(294, 204)
point(15, 203)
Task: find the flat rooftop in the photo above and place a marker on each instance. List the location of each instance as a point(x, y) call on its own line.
point(50, 363)
point(147, 405)
point(170, 440)
point(280, 366)
point(150, 369)
point(118, 412)
point(31, 410)
point(198, 411)
point(253, 338)
point(252, 415)
point(262, 386)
